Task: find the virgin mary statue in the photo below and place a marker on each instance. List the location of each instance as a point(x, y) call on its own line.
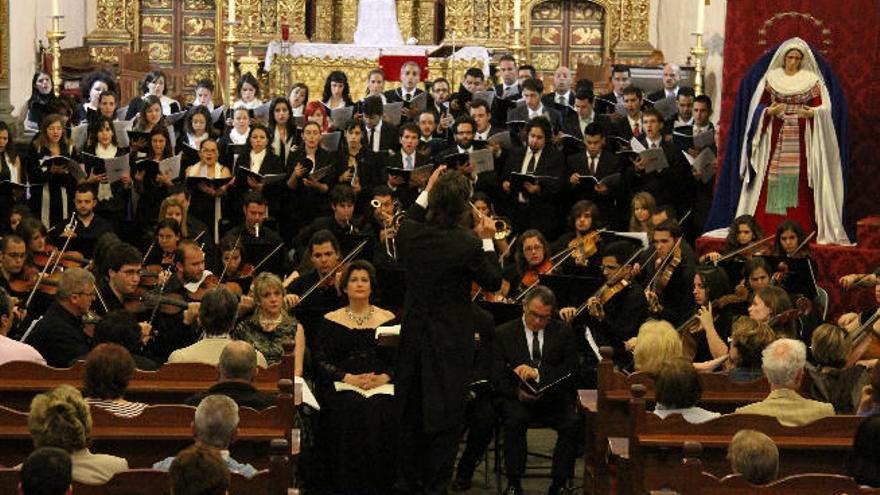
point(377, 24)
point(783, 158)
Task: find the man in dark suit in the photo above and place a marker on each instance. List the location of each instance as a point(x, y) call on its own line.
point(410, 75)
point(702, 190)
point(404, 190)
point(575, 122)
point(237, 368)
point(342, 223)
point(670, 89)
point(59, 335)
point(378, 134)
point(90, 226)
point(632, 125)
point(436, 352)
point(439, 106)
point(674, 302)
point(460, 102)
point(536, 351)
point(620, 80)
point(685, 114)
point(508, 92)
point(258, 240)
point(532, 107)
point(669, 186)
point(532, 203)
point(597, 162)
point(562, 93)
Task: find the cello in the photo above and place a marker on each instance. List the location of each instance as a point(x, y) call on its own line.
point(864, 342)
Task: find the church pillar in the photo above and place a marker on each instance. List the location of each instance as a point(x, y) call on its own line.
point(5, 106)
point(425, 22)
point(405, 16)
point(116, 27)
point(324, 21)
point(347, 14)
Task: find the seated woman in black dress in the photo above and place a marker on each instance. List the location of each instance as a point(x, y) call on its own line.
point(356, 432)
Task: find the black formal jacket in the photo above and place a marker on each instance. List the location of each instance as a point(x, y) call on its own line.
point(521, 113)
point(511, 349)
point(272, 164)
point(395, 95)
point(671, 186)
point(604, 105)
point(389, 138)
point(608, 204)
point(86, 237)
point(59, 337)
point(571, 124)
point(624, 314)
point(677, 297)
point(244, 394)
point(550, 99)
point(257, 248)
point(302, 203)
point(544, 204)
point(405, 193)
point(436, 353)
point(500, 106)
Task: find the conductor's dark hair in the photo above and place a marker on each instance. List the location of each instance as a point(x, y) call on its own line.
point(633, 90)
point(447, 199)
point(705, 100)
point(533, 84)
point(373, 106)
point(47, 471)
point(585, 94)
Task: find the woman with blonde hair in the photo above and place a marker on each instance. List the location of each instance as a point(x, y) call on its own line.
point(174, 208)
point(271, 322)
point(656, 343)
point(642, 207)
point(830, 379)
point(61, 418)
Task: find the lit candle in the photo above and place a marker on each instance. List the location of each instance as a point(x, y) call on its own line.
point(55, 10)
point(517, 7)
point(701, 14)
point(230, 9)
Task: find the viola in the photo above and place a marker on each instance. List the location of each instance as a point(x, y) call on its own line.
point(207, 283)
point(26, 280)
point(583, 247)
point(142, 302)
point(864, 342)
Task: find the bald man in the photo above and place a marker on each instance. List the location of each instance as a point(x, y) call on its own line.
point(237, 367)
point(671, 78)
point(562, 92)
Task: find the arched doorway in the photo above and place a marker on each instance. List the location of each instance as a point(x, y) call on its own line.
point(564, 32)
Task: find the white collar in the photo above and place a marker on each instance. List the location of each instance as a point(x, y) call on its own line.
point(539, 111)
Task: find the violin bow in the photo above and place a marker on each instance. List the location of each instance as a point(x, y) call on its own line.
point(354, 252)
point(744, 249)
point(552, 268)
point(161, 291)
point(225, 264)
point(266, 258)
point(629, 261)
point(72, 227)
point(101, 299)
point(801, 245)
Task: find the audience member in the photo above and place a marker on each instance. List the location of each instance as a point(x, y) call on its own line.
point(108, 370)
point(47, 471)
point(747, 341)
point(753, 455)
point(830, 379)
point(61, 418)
point(214, 427)
point(678, 391)
point(656, 343)
point(217, 314)
point(783, 365)
point(13, 350)
point(238, 366)
point(199, 470)
point(121, 327)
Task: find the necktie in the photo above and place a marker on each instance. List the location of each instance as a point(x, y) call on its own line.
point(530, 169)
point(636, 130)
point(592, 165)
point(407, 97)
point(536, 350)
point(561, 100)
point(409, 162)
point(653, 146)
point(372, 138)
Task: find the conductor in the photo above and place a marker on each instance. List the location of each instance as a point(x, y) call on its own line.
point(442, 259)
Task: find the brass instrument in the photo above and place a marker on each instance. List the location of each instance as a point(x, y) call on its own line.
point(392, 225)
point(503, 227)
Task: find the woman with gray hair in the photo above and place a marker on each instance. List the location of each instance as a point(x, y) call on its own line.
point(271, 322)
point(61, 418)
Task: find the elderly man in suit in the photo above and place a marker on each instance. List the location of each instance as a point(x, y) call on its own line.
point(783, 364)
point(435, 359)
point(533, 361)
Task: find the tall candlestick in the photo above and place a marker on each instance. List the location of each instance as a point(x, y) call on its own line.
point(701, 14)
point(55, 10)
point(230, 10)
point(517, 7)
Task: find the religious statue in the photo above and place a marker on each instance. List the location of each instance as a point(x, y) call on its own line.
point(784, 159)
point(377, 24)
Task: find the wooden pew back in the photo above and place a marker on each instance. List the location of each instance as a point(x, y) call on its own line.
point(20, 381)
point(163, 430)
point(654, 444)
point(607, 410)
point(689, 477)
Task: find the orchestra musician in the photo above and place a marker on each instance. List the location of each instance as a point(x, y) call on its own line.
point(532, 258)
point(59, 336)
point(121, 280)
point(90, 226)
point(743, 231)
point(258, 240)
point(668, 276)
point(582, 240)
point(341, 223)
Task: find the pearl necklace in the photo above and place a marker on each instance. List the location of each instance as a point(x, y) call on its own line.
point(359, 319)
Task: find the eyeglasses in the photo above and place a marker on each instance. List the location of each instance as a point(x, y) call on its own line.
point(536, 316)
point(532, 249)
point(16, 256)
point(90, 295)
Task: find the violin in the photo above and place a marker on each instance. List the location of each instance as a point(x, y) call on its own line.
point(150, 275)
point(69, 259)
point(26, 281)
point(692, 326)
point(333, 273)
point(208, 282)
point(142, 302)
point(583, 247)
point(667, 267)
point(615, 285)
point(530, 277)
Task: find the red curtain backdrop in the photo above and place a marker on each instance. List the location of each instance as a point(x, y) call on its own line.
point(847, 33)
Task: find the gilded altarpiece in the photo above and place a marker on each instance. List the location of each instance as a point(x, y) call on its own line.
point(567, 32)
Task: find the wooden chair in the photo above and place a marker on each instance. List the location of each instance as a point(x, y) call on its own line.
point(162, 431)
point(654, 447)
point(606, 411)
point(20, 381)
point(689, 478)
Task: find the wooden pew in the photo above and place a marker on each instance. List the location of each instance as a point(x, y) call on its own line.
point(606, 411)
point(654, 446)
point(273, 481)
point(171, 384)
point(162, 431)
point(690, 478)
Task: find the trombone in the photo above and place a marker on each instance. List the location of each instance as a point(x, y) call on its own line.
point(392, 225)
